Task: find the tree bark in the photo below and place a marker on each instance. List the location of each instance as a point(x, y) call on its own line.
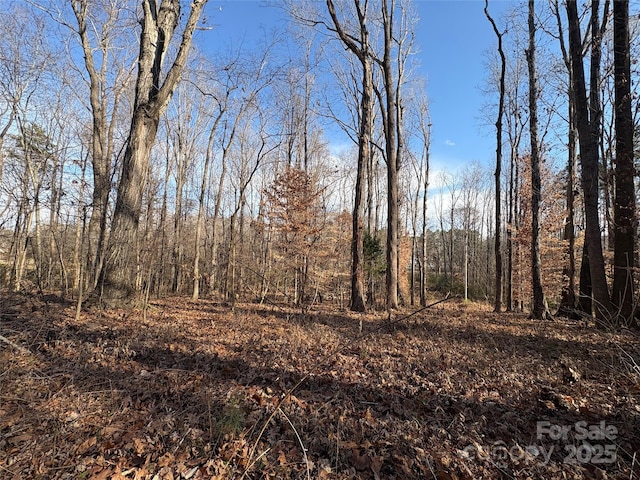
point(585, 300)
point(152, 94)
point(510, 229)
point(538, 310)
point(360, 50)
point(101, 138)
point(392, 124)
point(117, 281)
point(588, 134)
point(625, 206)
point(568, 297)
point(426, 135)
point(497, 304)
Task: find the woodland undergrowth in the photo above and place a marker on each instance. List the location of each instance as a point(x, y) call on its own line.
point(197, 391)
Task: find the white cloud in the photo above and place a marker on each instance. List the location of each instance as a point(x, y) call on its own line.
point(449, 143)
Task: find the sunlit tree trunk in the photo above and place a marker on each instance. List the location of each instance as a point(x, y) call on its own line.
point(497, 304)
point(102, 135)
point(360, 48)
point(426, 135)
point(151, 98)
point(538, 310)
point(117, 282)
point(393, 143)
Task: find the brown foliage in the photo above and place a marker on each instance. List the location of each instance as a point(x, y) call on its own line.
point(294, 210)
point(553, 246)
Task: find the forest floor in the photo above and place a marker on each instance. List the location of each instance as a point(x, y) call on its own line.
point(196, 391)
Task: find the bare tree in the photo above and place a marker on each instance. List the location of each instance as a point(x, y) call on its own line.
point(497, 304)
point(516, 121)
point(242, 89)
point(98, 33)
point(221, 99)
point(568, 298)
point(22, 65)
point(588, 119)
point(397, 45)
point(152, 95)
point(184, 124)
point(539, 310)
point(33, 154)
point(28, 154)
point(359, 45)
point(253, 147)
point(625, 221)
point(425, 131)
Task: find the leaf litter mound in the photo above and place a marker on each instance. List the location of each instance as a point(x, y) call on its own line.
point(196, 391)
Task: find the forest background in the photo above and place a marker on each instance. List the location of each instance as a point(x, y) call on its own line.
point(235, 186)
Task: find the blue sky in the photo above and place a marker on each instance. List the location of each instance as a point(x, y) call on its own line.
point(453, 38)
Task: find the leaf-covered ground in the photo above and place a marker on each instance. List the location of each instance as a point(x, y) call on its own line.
point(195, 391)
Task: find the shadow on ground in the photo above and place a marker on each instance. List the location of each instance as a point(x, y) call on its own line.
point(444, 396)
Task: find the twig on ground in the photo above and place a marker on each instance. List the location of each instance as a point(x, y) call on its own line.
point(304, 449)
point(14, 345)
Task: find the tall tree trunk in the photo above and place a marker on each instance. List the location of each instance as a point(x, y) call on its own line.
point(625, 206)
point(588, 135)
point(201, 201)
point(357, 303)
point(538, 310)
point(510, 230)
point(452, 249)
point(570, 231)
point(361, 50)
point(117, 281)
point(425, 186)
point(152, 95)
point(391, 121)
point(497, 304)
point(568, 298)
point(518, 216)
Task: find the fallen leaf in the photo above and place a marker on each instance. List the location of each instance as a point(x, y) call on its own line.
point(86, 445)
